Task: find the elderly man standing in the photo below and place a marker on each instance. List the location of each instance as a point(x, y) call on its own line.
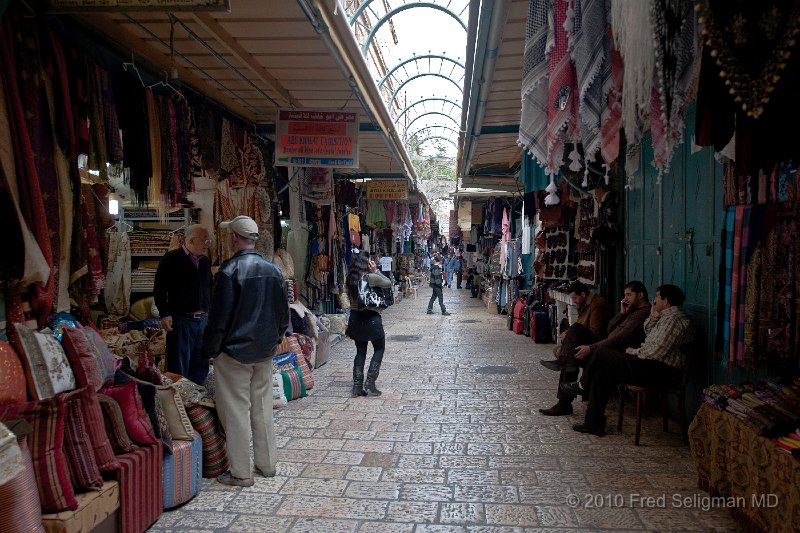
point(660, 359)
point(182, 294)
point(249, 315)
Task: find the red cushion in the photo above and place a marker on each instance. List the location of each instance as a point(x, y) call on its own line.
point(115, 426)
point(20, 511)
point(88, 355)
point(95, 427)
point(78, 448)
point(136, 420)
point(46, 443)
point(12, 376)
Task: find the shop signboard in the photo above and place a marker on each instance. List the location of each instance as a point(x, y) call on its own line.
point(110, 6)
point(310, 138)
point(387, 190)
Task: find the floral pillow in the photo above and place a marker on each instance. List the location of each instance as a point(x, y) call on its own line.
point(48, 370)
point(12, 376)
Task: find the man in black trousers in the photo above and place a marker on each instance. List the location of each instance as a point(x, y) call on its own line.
point(436, 285)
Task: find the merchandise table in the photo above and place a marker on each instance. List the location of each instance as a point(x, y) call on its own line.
point(758, 482)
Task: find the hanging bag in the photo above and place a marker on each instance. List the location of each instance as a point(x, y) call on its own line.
point(369, 298)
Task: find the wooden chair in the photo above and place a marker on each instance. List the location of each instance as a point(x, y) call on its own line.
point(678, 388)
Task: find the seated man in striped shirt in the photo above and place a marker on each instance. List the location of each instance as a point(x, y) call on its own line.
point(658, 361)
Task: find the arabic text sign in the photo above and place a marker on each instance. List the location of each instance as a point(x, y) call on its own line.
point(387, 190)
point(307, 138)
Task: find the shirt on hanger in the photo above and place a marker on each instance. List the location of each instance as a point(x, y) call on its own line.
point(386, 263)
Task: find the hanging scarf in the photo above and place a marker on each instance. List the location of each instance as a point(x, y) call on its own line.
point(591, 53)
point(611, 116)
point(562, 89)
point(538, 39)
point(632, 31)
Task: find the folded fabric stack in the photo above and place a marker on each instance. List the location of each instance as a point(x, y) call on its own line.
point(772, 408)
point(143, 279)
point(152, 241)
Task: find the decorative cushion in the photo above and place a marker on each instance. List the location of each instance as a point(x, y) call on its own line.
point(91, 360)
point(305, 370)
point(307, 345)
point(183, 471)
point(47, 450)
point(293, 386)
point(78, 448)
point(285, 361)
point(95, 427)
point(163, 427)
point(12, 376)
point(147, 369)
point(115, 426)
point(190, 391)
point(205, 422)
point(48, 369)
point(180, 427)
point(136, 420)
point(21, 510)
point(94, 508)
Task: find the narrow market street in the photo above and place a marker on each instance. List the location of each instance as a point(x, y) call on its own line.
point(455, 444)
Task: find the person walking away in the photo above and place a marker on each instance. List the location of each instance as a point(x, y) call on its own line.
point(436, 285)
point(365, 325)
point(249, 315)
point(182, 293)
point(458, 267)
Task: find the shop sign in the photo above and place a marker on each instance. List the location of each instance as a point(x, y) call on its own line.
point(387, 190)
point(110, 6)
point(307, 138)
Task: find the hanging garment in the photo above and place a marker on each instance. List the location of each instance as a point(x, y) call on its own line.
point(376, 214)
point(562, 91)
point(611, 115)
point(117, 293)
point(533, 122)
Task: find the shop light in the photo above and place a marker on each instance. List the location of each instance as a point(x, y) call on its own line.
point(113, 207)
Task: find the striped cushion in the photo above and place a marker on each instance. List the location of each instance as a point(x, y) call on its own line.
point(46, 443)
point(206, 423)
point(12, 376)
point(78, 448)
point(21, 510)
point(141, 488)
point(115, 426)
point(89, 356)
point(95, 427)
point(293, 386)
point(183, 471)
point(48, 370)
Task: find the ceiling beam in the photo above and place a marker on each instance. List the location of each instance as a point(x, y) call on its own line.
point(209, 23)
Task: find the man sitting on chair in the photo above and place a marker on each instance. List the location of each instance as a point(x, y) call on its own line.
point(625, 330)
point(659, 361)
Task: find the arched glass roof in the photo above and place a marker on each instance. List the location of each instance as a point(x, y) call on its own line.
point(416, 52)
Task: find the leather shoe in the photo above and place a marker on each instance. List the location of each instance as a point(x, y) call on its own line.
point(430, 312)
point(572, 388)
point(592, 430)
point(559, 409)
point(552, 365)
point(445, 313)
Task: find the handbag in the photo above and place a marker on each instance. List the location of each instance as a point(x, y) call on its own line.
point(368, 297)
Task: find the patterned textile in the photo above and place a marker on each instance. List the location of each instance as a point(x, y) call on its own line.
point(733, 318)
point(141, 488)
point(782, 336)
point(611, 116)
point(78, 448)
point(134, 417)
point(117, 293)
point(11, 462)
point(206, 423)
point(732, 460)
point(665, 335)
point(48, 369)
point(12, 375)
point(47, 450)
point(182, 471)
point(115, 426)
point(21, 511)
point(533, 123)
point(95, 427)
point(562, 91)
point(180, 427)
point(293, 386)
point(92, 362)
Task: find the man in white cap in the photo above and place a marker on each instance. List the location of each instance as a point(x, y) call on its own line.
point(249, 315)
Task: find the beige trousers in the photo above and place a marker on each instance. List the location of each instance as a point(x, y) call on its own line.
point(244, 402)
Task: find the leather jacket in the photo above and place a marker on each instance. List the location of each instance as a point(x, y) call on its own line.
point(436, 275)
point(249, 309)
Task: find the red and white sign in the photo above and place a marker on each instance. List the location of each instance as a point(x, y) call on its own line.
point(307, 138)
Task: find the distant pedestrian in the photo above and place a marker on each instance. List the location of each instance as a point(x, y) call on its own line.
point(436, 285)
point(365, 325)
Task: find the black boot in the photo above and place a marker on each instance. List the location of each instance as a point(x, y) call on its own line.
point(372, 374)
point(358, 384)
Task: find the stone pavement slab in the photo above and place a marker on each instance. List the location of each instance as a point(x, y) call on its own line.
point(455, 444)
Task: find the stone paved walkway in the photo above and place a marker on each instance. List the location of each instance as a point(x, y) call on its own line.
point(449, 448)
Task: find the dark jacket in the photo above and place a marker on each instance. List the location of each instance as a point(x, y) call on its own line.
point(249, 309)
point(366, 324)
point(436, 275)
point(625, 330)
point(180, 287)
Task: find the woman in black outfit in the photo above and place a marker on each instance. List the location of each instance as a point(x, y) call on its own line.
point(365, 325)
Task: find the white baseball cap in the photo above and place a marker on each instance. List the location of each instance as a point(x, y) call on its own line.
point(242, 225)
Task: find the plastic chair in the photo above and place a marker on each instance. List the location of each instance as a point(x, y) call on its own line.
point(640, 393)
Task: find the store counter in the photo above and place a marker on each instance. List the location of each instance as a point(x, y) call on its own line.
point(745, 472)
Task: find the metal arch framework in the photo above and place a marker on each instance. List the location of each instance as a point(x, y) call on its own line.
point(421, 75)
point(418, 58)
point(448, 128)
point(435, 168)
point(438, 137)
point(395, 11)
point(408, 126)
point(422, 101)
